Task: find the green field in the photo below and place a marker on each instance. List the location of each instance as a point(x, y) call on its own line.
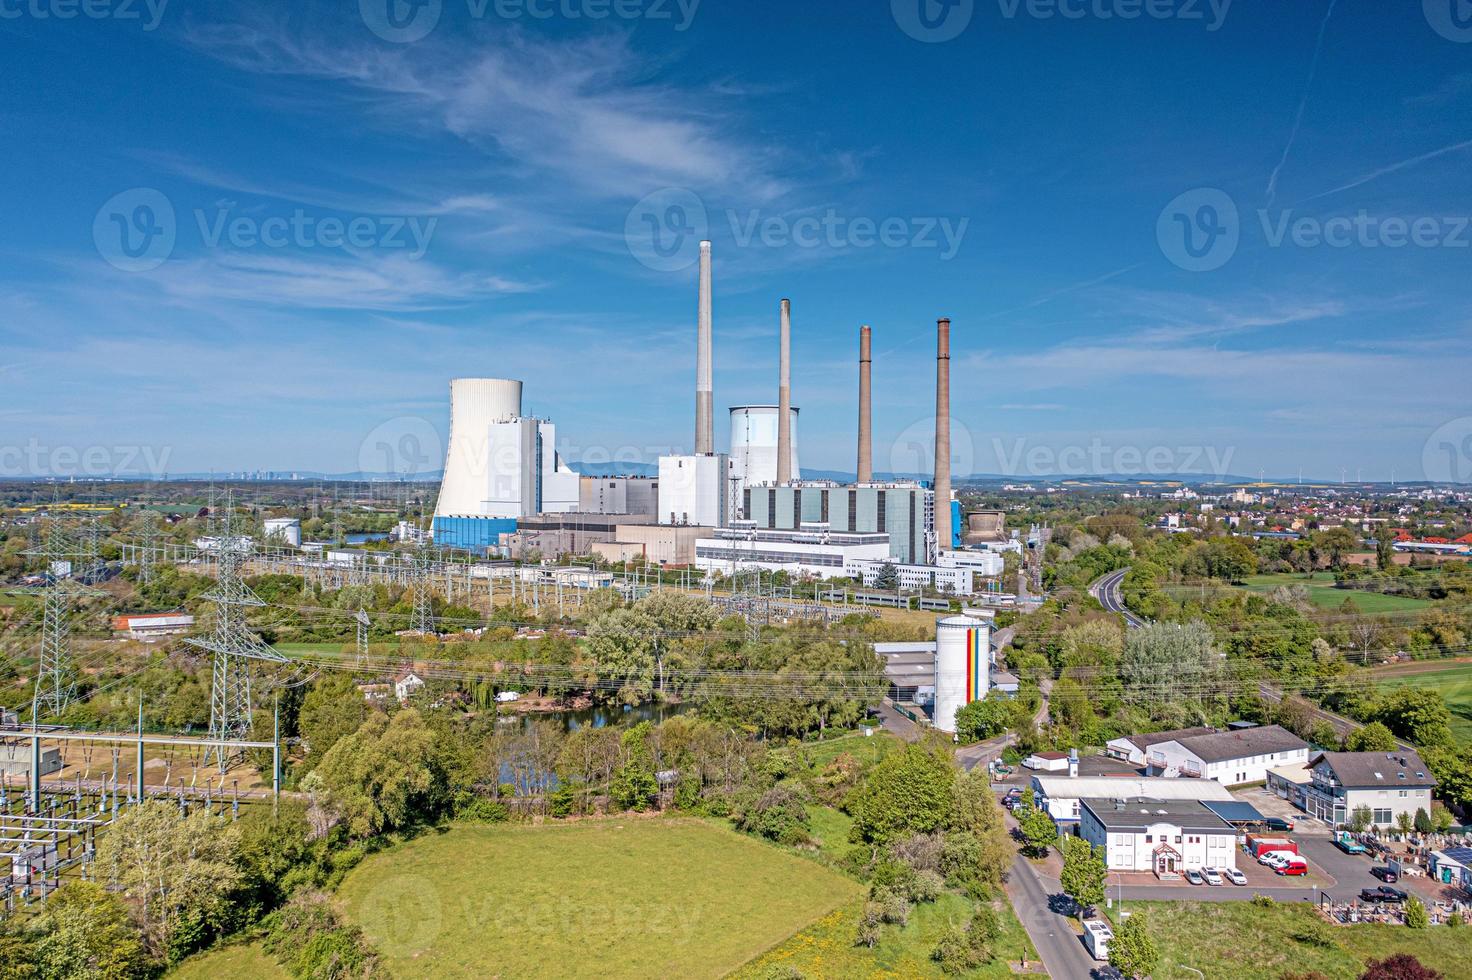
point(1245, 942)
point(608, 898)
point(1322, 593)
point(1454, 683)
point(230, 963)
point(826, 948)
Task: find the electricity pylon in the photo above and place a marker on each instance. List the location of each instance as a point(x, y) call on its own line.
point(231, 643)
point(423, 621)
point(146, 527)
point(70, 555)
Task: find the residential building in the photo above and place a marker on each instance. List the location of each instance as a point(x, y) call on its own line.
point(1062, 796)
point(1163, 836)
point(1233, 758)
point(1133, 748)
point(406, 684)
point(1387, 783)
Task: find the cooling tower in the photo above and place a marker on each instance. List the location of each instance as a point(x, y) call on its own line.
point(475, 403)
point(754, 439)
point(962, 666)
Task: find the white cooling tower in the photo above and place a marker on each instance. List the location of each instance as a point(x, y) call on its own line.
point(475, 403)
point(962, 666)
point(754, 444)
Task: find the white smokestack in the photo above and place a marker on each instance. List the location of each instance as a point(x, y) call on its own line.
point(705, 441)
point(784, 399)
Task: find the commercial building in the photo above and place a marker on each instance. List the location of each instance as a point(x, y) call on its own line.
point(812, 551)
point(1133, 748)
point(1386, 783)
point(904, 511)
point(149, 626)
point(1232, 758)
point(956, 581)
point(1163, 836)
point(618, 495)
point(1063, 796)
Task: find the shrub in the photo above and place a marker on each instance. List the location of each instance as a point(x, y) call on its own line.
point(1263, 901)
point(892, 907)
point(779, 814)
point(1416, 917)
point(310, 941)
point(837, 779)
point(473, 807)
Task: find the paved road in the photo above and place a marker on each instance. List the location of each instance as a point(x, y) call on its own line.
point(1061, 948)
point(1107, 591)
point(895, 723)
point(1341, 724)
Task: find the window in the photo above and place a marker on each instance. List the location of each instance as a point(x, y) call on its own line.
point(1404, 793)
point(1382, 816)
point(1149, 839)
point(1178, 838)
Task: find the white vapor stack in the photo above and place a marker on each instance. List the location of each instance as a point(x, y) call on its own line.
point(784, 399)
point(705, 441)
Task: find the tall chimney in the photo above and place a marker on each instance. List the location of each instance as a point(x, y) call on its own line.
point(705, 441)
point(866, 415)
point(784, 399)
point(943, 435)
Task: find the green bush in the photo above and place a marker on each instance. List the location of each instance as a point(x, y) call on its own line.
point(310, 941)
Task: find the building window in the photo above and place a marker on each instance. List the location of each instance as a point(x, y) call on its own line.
point(883, 495)
point(1382, 816)
point(1149, 839)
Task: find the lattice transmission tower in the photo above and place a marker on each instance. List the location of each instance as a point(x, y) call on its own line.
point(146, 530)
point(231, 643)
point(71, 557)
point(423, 621)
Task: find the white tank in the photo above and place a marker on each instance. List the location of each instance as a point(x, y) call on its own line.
point(474, 404)
point(962, 666)
point(754, 444)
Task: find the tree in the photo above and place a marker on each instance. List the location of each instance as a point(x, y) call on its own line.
point(381, 777)
point(985, 718)
point(1416, 714)
point(1324, 736)
point(1039, 832)
point(85, 932)
point(888, 577)
point(1132, 951)
point(1361, 818)
point(621, 643)
point(332, 710)
point(1374, 737)
point(1384, 550)
point(1163, 660)
point(977, 817)
point(910, 791)
point(1453, 772)
point(1403, 822)
point(1401, 966)
point(1416, 917)
point(1422, 822)
point(178, 871)
point(1083, 874)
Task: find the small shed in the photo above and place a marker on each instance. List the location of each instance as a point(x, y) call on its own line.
point(1452, 866)
point(1047, 761)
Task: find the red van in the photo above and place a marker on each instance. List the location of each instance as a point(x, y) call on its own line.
point(1293, 868)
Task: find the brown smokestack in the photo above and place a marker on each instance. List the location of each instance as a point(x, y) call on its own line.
point(866, 415)
point(705, 441)
point(943, 435)
point(784, 399)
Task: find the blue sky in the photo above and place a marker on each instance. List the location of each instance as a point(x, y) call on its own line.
point(330, 222)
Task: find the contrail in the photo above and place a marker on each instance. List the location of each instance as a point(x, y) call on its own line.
point(1308, 85)
point(1390, 169)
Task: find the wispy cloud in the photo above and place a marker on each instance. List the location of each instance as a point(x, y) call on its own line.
point(1313, 68)
point(1390, 169)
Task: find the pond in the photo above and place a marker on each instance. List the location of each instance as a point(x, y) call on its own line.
point(599, 717)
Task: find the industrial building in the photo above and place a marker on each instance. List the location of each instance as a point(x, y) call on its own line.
point(954, 580)
point(657, 544)
point(618, 495)
point(963, 664)
point(904, 511)
point(283, 530)
point(575, 533)
point(754, 438)
point(501, 466)
point(812, 551)
point(697, 489)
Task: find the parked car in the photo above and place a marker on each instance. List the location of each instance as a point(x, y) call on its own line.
point(1385, 874)
point(1194, 877)
point(1292, 868)
point(1278, 824)
point(1212, 876)
point(1382, 894)
point(1276, 859)
point(1234, 876)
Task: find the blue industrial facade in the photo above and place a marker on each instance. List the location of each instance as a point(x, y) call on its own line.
point(956, 518)
point(471, 533)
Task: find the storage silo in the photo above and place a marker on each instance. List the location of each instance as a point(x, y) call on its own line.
point(962, 666)
point(754, 443)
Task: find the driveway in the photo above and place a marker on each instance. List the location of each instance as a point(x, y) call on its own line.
point(1040, 906)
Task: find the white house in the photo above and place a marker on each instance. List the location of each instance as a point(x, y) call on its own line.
point(1163, 836)
point(1062, 796)
point(1233, 758)
point(1388, 783)
point(407, 684)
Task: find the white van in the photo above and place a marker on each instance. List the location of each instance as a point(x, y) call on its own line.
point(1096, 937)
